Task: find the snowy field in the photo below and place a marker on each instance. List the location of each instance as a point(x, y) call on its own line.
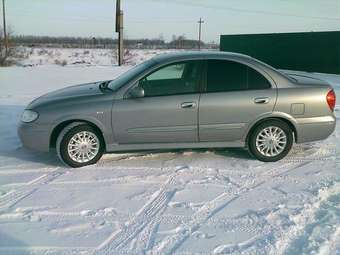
point(32, 57)
point(176, 202)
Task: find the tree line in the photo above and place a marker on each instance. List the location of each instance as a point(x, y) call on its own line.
point(177, 42)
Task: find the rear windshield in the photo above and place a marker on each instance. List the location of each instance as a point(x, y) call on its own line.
point(130, 75)
point(276, 70)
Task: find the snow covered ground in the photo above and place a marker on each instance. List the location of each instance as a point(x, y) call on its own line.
point(29, 57)
point(177, 202)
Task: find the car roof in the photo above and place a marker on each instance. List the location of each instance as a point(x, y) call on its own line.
point(185, 55)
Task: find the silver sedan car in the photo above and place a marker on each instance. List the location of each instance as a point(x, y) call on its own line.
point(182, 100)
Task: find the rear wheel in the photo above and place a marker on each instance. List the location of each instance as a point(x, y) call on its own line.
point(271, 141)
point(79, 145)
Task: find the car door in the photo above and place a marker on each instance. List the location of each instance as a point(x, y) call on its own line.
point(235, 95)
point(167, 113)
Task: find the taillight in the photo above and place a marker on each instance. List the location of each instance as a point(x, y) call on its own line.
point(331, 99)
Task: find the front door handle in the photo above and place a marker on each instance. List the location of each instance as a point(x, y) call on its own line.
point(261, 100)
point(187, 105)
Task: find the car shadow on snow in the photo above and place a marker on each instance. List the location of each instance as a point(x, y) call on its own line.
point(239, 153)
point(22, 155)
point(9, 245)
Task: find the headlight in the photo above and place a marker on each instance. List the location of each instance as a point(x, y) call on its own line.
point(29, 116)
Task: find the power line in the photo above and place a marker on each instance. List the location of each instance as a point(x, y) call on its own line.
point(185, 3)
point(101, 19)
point(250, 11)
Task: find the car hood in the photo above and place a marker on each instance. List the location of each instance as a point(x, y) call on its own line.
point(72, 92)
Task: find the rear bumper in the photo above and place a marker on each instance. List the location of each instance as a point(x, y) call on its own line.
point(314, 129)
point(34, 137)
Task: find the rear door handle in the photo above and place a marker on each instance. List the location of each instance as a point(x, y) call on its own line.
point(261, 100)
point(187, 105)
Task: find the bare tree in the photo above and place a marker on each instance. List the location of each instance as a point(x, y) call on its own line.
point(1, 40)
point(5, 54)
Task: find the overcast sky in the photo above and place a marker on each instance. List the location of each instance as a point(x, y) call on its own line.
point(152, 18)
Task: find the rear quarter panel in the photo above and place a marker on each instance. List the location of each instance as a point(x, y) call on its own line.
point(308, 108)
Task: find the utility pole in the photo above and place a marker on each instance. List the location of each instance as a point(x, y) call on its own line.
point(119, 30)
point(200, 22)
point(4, 24)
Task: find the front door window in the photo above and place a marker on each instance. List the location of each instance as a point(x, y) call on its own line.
point(174, 79)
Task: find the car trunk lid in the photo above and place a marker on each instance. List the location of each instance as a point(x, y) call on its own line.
point(306, 79)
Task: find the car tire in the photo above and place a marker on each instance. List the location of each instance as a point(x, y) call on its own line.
point(271, 141)
point(79, 144)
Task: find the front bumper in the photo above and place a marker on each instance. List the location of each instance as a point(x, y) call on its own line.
point(34, 137)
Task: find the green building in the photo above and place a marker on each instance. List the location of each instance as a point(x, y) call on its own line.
point(310, 51)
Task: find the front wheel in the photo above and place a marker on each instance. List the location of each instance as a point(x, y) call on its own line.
point(79, 145)
point(271, 141)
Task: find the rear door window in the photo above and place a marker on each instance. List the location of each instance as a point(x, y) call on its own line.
point(256, 80)
point(225, 76)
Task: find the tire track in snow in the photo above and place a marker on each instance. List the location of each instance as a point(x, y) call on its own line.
point(153, 209)
point(144, 227)
point(44, 250)
point(145, 239)
point(10, 199)
point(208, 210)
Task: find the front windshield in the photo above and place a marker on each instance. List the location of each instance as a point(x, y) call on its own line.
point(129, 75)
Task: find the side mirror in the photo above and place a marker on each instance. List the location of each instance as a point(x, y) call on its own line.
point(136, 92)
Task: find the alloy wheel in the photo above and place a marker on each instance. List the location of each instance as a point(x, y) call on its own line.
point(83, 147)
point(271, 141)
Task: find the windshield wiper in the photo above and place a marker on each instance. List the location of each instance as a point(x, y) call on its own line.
point(105, 86)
